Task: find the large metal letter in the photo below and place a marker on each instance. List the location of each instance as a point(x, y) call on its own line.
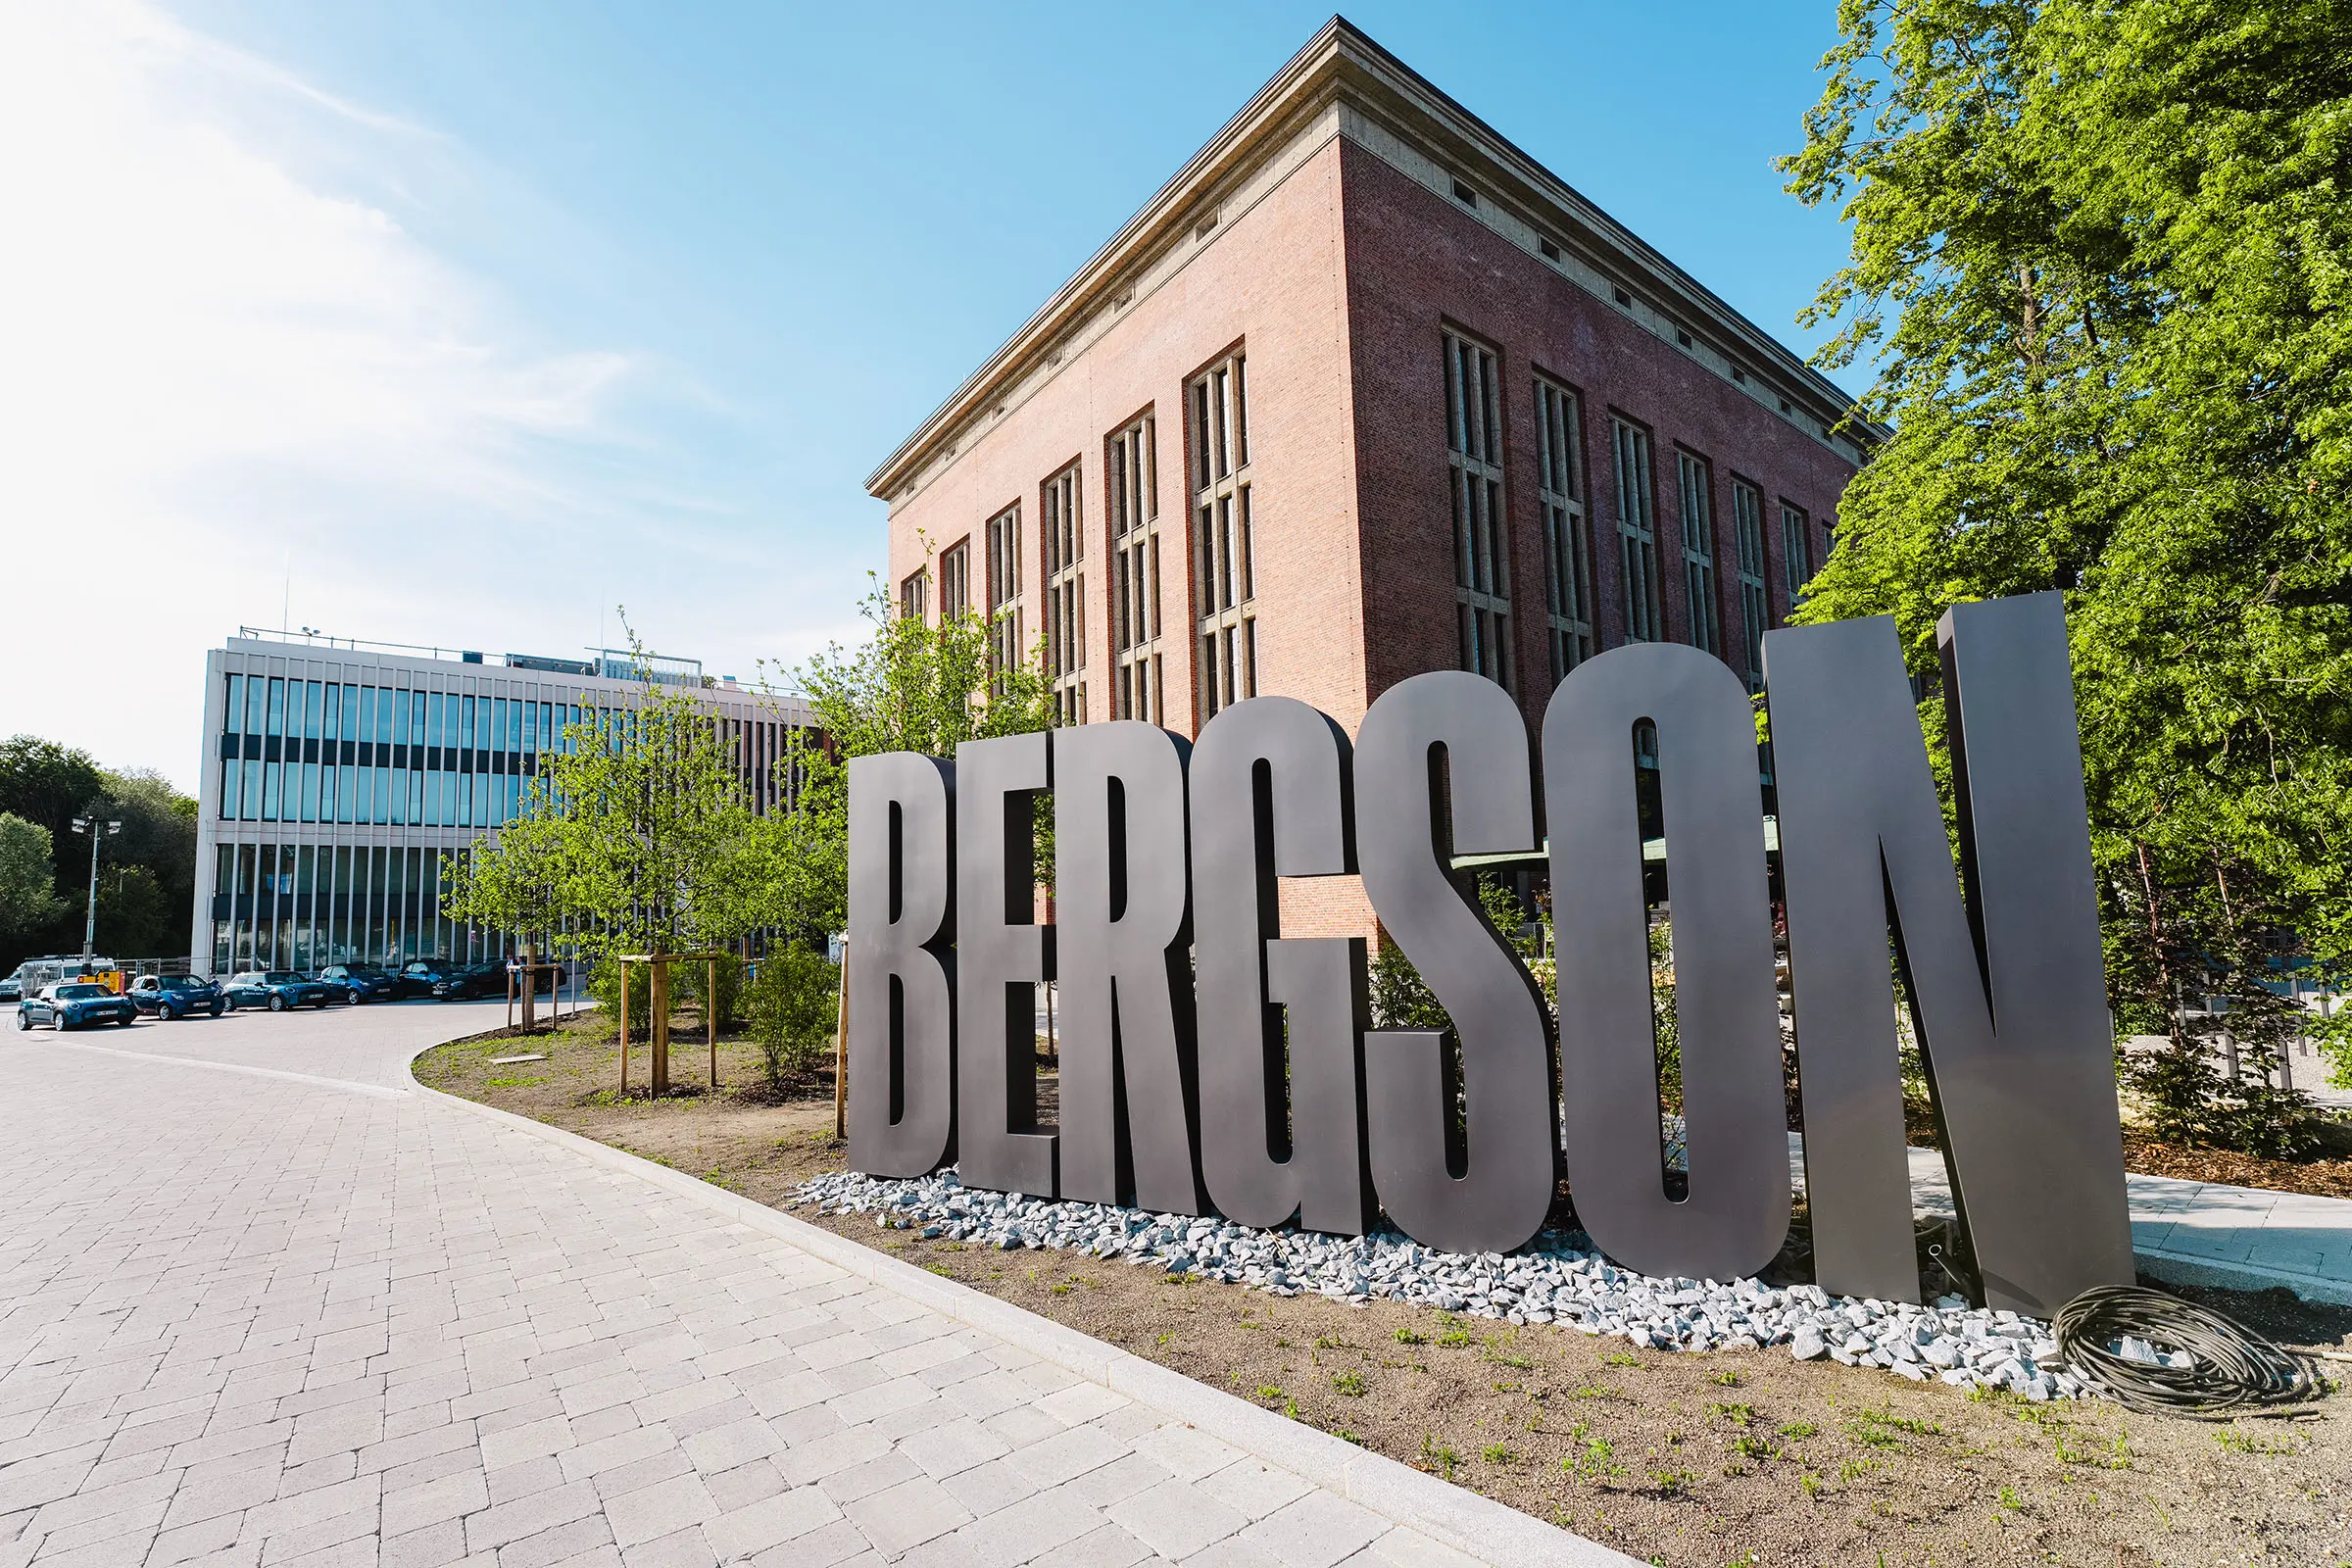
point(1499, 1198)
point(1000, 954)
point(902, 1002)
point(2008, 997)
point(1857, 813)
point(1122, 914)
point(1271, 797)
point(1737, 1214)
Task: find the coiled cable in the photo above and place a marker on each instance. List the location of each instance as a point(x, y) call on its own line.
point(2231, 1366)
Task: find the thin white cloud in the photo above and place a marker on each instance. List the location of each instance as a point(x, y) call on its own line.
point(212, 365)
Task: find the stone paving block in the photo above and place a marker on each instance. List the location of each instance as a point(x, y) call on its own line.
point(801, 1463)
point(556, 1544)
point(358, 1553)
point(986, 1487)
point(1082, 1402)
point(846, 1487)
point(1066, 1454)
point(451, 1497)
point(640, 1474)
point(758, 1528)
point(1406, 1548)
point(904, 1516)
point(1253, 1487)
point(230, 1492)
point(652, 1513)
point(1233, 1552)
point(433, 1547)
point(953, 1447)
point(495, 1526)
point(285, 1546)
point(684, 1548)
point(1176, 1518)
point(744, 1485)
point(1106, 1548)
point(1316, 1531)
point(1012, 1535)
point(199, 1540)
point(610, 1454)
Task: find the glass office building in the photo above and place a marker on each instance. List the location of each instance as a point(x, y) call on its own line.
point(339, 778)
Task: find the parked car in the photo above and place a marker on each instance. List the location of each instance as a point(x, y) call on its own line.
point(11, 990)
point(73, 1003)
point(473, 981)
point(419, 976)
point(278, 989)
point(175, 996)
point(359, 982)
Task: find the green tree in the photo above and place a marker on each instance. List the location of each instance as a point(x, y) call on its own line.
point(910, 686)
point(135, 916)
point(29, 900)
point(638, 836)
point(2100, 253)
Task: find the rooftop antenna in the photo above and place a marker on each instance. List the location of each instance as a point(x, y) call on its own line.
point(285, 605)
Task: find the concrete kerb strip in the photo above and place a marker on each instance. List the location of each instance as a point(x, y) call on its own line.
point(1451, 1515)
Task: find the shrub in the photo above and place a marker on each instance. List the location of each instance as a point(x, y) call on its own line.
point(604, 984)
point(688, 981)
point(792, 1001)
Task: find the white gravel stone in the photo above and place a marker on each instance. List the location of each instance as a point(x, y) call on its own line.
point(1559, 1277)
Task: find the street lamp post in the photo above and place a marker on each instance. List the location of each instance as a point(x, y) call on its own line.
point(90, 929)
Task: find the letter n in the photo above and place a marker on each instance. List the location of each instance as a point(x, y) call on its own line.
point(2006, 983)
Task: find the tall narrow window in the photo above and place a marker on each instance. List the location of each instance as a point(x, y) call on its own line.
point(1004, 589)
point(1698, 552)
point(955, 581)
point(912, 594)
point(1066, 595)
point(1567, 558)
point(1134, 491)
point(1755, 608)
point(1482, 559)
point(1224, 575)
point(1796, 551)
point(1643, 621)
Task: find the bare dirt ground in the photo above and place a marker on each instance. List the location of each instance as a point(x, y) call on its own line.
point(1731, 1457)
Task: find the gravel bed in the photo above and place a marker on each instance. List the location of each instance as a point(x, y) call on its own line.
point(1557, 1278)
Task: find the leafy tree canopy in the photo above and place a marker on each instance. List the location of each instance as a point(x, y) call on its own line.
point(2103, 257)
point(910, 686)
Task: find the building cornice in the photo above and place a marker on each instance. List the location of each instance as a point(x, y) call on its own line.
point(1342, 65)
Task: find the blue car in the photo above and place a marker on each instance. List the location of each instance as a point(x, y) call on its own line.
point(175, 996)
point(358, 982)
point(73, 1004)
point(278, 989)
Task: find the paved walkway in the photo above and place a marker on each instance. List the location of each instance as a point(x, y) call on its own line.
point(266, 1306)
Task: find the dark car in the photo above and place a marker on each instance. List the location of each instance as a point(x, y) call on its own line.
point(278, 989)
point(175, 996)
point(358, 982)
point(473, 981)
point(11, 990)
point(419, 976)
point(74, 1004)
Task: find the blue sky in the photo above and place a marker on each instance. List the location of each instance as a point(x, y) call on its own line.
point(462, 323)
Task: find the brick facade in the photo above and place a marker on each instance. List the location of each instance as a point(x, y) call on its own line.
point(1319, 236)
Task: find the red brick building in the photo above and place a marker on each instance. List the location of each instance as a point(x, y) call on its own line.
point(1365, 391)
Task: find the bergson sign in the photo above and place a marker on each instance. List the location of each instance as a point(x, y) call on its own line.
point(1207, 1061)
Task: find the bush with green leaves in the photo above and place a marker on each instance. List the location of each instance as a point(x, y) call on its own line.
point(604, 984)
point(792, 1000)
